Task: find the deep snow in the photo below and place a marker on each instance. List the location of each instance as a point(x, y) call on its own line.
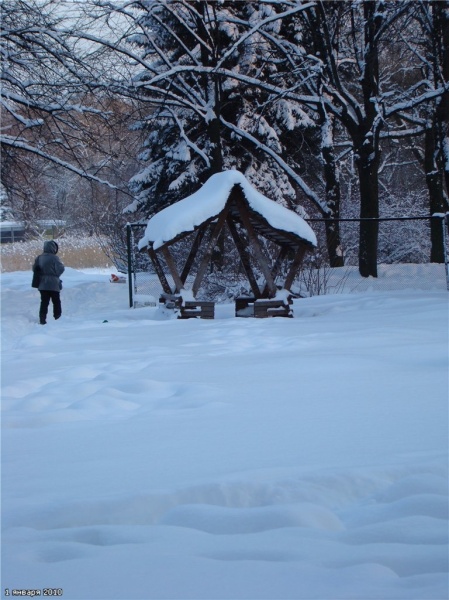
point(235, 458)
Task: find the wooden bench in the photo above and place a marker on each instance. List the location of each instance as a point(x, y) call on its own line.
point(170, 300)
point(247, 306)
point(197, 309)
point(244, 306)
point(190, 309)
point(272, 308)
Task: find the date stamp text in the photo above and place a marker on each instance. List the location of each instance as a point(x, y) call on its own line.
point(33, 593)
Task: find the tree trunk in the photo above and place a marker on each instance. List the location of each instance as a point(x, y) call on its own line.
point(438, 204)
point(369, 209)
point(333, 194)
point(367, 146)
point(214, 97)
point(333, 239)
point(441, 40)
point(436, 160)
point(216, 166)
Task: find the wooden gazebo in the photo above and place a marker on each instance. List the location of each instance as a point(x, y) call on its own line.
point(227, 200)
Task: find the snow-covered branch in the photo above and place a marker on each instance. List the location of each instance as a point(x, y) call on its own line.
point(22, 144)
point(311, 195)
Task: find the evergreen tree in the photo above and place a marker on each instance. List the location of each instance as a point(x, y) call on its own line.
point(213, 81)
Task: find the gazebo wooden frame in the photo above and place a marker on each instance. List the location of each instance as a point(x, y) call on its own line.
point(237, 211)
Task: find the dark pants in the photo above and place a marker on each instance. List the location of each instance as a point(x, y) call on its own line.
point(46, 296)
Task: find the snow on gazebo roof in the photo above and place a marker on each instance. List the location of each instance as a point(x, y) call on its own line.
point(208, 202)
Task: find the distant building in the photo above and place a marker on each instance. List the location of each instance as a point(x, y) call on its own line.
point(14, 231)
point(11, 231)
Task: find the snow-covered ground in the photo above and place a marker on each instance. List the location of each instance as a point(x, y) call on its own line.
point(227, 459)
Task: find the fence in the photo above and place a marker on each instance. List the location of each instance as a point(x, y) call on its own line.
point(404, 251)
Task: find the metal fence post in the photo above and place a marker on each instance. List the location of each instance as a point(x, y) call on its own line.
point(130, 269)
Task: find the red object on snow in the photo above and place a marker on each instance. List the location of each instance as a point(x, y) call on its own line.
point(117, 279)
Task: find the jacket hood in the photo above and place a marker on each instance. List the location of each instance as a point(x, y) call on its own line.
point(51, 247)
